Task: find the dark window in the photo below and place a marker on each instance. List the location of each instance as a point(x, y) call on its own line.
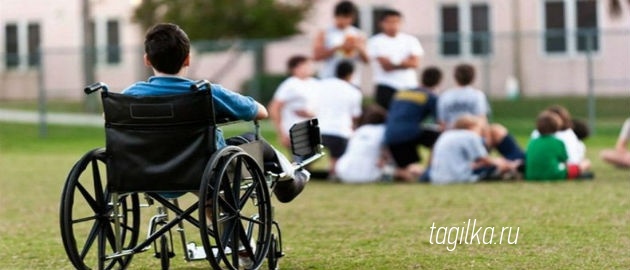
point(480, 24)
point(12, 58)
point(113, 42)
point(586, 22)
point(34, 40)
point(450, 31)
point(555, 28)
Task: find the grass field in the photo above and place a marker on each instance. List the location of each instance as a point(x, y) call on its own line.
point(566, 225)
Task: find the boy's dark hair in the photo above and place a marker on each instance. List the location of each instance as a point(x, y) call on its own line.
point(389, 13)
point(167, 47)
point(564, 115)
point(464, 74)
point(345, 9)
point(431, 76)
point(373, 114)
point(581, 129)
point(344, 69)
point(548, 123)
point(295, 61)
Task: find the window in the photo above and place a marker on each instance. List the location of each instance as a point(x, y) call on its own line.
point(22, 44)
point(480, 29)
point(12, 58)
point(377, 13)
point(570, 25)
point(33, 34)
point(586, 21)
point(471, 21)
point(450, 30)
point(113, 42)
point(105, 41)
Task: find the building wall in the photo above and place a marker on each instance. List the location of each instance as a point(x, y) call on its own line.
point(521, 56)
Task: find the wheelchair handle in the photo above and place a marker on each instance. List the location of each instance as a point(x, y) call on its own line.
point(199, 85)
point(95, 87)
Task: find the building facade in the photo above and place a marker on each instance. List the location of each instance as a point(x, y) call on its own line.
point(551, 47)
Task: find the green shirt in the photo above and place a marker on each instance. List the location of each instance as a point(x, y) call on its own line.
point(546, 159)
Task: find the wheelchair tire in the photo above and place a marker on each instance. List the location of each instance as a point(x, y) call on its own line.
point(165, 258)
point(86, 221)
point(272, 256)
point(234, 186)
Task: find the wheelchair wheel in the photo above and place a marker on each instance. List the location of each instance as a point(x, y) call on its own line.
point(86, 216)
point(164, 253)
point(235, 197)
point(272, 257)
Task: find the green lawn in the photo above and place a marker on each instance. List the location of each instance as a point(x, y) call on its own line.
point(566, 225)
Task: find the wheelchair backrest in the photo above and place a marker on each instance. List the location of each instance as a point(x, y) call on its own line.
point(158, 143)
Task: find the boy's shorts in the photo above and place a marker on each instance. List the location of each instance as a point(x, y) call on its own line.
point(336, 145)
point(407, 153)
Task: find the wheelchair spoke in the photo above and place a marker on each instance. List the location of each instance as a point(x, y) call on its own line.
point(98, 186)
point(236, 181)
point(226, 206)
point(247, 194)
point(84, 219)
point(90, 239)
point(248, 248)
point(252, 220)
point(86, 195)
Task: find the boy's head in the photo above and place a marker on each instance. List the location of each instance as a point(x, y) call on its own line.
point(372, 115)
point(167, 48)
point(548, 123)
point(581, 129)
point(344, 70)
point(345, 14)
point(564, 115)
point(299, 66)
point(431, 77)
point(464, 74)
point(390, 22)
point(469, 122)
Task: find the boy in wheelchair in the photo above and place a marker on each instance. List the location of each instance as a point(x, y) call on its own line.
point(167, 52)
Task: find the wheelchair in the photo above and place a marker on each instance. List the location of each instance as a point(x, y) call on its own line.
point(157, 148)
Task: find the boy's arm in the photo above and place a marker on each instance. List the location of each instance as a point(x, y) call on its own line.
point(320, 52)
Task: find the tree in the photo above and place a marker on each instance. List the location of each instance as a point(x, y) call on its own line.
point(226, 19)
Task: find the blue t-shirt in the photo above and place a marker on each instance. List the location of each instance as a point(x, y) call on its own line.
point(406, 113)
point(227, 104)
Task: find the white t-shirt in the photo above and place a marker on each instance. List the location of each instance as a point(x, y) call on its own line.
point(456, 102)
point(359, 164)
point(576, 150)
point(338, 103)
point(334, 37)
point(396, 49)
point(296, 94)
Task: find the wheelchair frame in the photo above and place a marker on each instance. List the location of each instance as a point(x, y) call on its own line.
point(232, 178)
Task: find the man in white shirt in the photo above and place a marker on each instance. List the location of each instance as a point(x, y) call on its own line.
point(338, 107)
point(340, 42)
point(397, 55)
point(295, 98)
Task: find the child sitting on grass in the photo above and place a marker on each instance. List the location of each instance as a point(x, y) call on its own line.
point(547, 156)
point(459, 155)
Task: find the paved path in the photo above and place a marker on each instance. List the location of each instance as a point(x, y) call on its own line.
point(74, 119)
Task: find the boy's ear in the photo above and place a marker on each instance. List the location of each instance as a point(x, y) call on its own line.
point(186, 61)
point(146, 61)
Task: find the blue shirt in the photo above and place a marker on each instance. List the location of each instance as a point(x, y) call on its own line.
point(406, 112)
point(227, 104)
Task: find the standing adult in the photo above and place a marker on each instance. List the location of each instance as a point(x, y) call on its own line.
point(340, 42)
point(397, 55)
